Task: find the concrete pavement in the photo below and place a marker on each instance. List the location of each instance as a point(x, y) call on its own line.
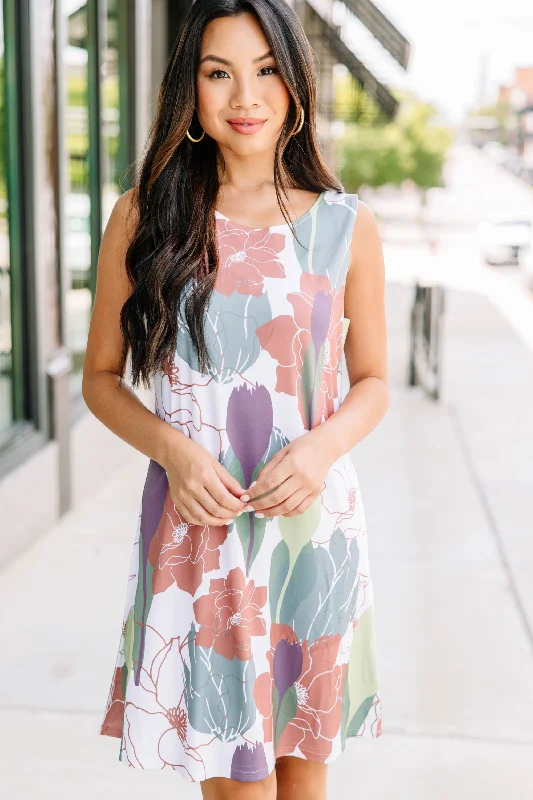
point(447, 489)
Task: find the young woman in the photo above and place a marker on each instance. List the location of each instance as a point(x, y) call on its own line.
point(233, 274)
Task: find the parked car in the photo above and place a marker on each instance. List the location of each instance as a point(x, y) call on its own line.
point(503, 235)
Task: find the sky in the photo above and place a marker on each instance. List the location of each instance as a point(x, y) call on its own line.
point(449, 44)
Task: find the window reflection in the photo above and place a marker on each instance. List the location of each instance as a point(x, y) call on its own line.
point(6, 360)
point(77, 201)
point(111, 162)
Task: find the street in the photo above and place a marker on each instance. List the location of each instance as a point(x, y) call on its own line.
point(448, 495)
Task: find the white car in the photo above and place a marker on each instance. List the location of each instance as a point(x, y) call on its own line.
point(502, 236)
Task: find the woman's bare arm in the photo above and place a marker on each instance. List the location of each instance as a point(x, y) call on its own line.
point(203, 491)
point(112, 402)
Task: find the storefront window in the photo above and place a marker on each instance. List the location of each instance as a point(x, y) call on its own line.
point(6, 352)
point(111, 131)
point(77, 257)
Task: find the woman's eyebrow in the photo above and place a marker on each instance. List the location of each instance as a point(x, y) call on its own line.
point(225, 61)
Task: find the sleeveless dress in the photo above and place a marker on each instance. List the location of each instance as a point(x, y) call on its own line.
point(246, 642)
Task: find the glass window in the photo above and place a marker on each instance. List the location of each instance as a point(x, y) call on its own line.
point(6, 353)
point(77, 254)
point(111, 127)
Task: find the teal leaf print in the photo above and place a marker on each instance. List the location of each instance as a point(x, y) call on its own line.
point(326, 236)
point(143, 603)
point(297, 532)
point(218, 692)
point(321, 595)
point(230, 331)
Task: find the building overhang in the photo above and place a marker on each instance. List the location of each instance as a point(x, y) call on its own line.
point(340, 50)
point(382, 29)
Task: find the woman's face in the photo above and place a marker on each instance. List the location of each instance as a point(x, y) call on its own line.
point(238, 82)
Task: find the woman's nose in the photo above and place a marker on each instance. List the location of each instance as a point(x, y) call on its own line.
point(244, 94)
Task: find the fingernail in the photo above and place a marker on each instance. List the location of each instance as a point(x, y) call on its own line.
point(248, 508)
point(258, 514)
point(252, 484)
point(244, 498)
point(230, 521)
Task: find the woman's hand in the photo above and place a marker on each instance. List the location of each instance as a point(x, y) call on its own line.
point(201, 488)
point(298, 471)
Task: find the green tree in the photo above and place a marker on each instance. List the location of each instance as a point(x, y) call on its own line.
point(413, 146)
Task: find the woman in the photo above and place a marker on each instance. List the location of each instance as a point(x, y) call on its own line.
point(231, 273)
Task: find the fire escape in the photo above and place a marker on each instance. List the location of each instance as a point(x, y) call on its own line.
point(330, 47)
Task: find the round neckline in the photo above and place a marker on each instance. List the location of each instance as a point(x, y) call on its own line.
point(279, 224)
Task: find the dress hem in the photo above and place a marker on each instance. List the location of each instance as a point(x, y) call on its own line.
point(253, 775)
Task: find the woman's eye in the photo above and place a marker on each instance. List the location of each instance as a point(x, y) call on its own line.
point(216, 71)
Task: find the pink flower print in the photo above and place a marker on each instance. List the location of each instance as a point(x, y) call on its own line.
point(230, 615)
point(318, 683)
point(287, 339)
point(180, 552)
point(247, 256)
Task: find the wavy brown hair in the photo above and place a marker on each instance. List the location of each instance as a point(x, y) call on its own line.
point(172, 258)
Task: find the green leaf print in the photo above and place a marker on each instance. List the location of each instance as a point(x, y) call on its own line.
point(297, 532)
point(142, 605)
point(218, 692)
point(283, 715)
point(363, 677)
point(360, 716)
point(279, 570)
point(128, 649)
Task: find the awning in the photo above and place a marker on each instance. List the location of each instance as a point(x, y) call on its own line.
point(382, 29)
point(345, 56)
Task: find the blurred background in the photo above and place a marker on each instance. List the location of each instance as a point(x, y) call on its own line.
point(426, 113)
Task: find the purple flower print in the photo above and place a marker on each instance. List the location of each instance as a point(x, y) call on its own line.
point(249, 762)
point(250, 418)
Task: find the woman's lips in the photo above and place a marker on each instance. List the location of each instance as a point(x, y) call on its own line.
point(248, 126)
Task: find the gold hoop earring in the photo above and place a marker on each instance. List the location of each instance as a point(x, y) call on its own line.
point(302, 114)
point(194, 140)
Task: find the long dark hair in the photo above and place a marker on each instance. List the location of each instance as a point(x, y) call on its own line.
point(173, 254)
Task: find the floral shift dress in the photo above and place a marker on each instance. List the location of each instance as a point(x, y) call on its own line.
point(246, 642)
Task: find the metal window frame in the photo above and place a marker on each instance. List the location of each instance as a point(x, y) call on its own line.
point(18, 156)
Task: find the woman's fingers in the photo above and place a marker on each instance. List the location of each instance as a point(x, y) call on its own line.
point(195, 514)
point(302, 506)
point(221, 493)
point(268, 505)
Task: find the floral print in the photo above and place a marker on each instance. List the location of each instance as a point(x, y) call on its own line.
point(246, 642)
point(230, 615)
point(246, 257)
point(316, 682)
point(181, 553)
point(307, 346)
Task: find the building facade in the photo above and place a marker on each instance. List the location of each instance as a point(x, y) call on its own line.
point(78, 86)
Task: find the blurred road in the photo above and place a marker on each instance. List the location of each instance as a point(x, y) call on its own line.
point(448, 491)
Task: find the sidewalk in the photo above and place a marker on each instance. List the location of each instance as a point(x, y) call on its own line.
point(448, 493)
